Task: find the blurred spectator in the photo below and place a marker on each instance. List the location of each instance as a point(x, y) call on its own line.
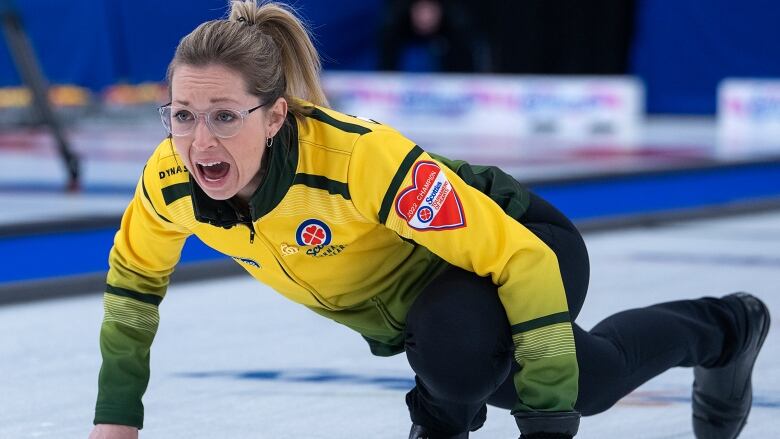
point(560, 36)
point(443, 30)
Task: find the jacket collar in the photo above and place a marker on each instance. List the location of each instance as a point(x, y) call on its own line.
point(282, 163)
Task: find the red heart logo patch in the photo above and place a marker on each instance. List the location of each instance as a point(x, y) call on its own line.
point(314, 235)
point(313, 232)
point(430, 203)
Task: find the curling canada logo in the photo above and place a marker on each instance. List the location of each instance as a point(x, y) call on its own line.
point(313, 232)
point(430, 202)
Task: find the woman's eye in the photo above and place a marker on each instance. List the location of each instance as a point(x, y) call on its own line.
point(225, 116)
point(183, 116)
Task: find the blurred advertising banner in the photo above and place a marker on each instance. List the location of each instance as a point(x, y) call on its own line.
point(521, 106)
point(749, 115)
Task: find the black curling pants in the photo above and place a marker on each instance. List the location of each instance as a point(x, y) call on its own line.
point(458, 339)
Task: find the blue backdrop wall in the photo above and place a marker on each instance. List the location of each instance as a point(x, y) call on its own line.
point(683, 48)
point(99, 43)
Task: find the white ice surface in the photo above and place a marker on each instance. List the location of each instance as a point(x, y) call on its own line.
point(213, 332)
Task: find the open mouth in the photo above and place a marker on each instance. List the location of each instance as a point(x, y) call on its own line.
point(213, 171)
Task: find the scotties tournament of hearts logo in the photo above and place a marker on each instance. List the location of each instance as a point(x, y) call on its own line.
point(430, 203)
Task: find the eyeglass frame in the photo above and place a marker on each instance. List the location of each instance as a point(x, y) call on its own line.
point(207, 120)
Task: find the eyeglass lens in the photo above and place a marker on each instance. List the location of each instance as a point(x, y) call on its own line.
point(221, 122)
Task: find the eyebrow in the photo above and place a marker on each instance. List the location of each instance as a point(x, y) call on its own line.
point(212, 100)
point(223, 99)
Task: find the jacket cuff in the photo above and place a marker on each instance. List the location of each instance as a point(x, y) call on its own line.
point(566, 423)
point(120, 417)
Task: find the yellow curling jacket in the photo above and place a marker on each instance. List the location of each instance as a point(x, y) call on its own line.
point(352, 220)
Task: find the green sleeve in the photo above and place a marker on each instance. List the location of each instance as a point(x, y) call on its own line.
point(548, 379)
point(126, 336)
point(146, 248)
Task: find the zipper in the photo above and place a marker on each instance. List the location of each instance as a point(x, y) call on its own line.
point(251, 232)
point(386, 316)
point(247, 222)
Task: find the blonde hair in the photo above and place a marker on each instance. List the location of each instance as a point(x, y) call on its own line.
point(267, 44)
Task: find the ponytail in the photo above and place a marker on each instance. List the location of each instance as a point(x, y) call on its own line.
point(267, 44)
point(299, 59)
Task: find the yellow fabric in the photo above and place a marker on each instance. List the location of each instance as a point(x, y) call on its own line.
point(366, 257)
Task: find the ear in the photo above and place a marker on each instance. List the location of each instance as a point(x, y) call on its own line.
point(276, 116)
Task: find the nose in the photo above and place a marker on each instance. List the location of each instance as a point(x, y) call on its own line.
point(202, 136)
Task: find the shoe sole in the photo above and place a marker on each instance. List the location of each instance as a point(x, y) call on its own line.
point(764, 333)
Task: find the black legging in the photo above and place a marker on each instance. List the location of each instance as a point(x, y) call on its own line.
point(458, 339)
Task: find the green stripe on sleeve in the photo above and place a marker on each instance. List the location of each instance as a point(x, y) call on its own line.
point(146, 298)
point(175, 191)
point(561, 317)
point(321, 116)
point(547, 342)
point(319, 182)
point(398, 179)
point(132, 313)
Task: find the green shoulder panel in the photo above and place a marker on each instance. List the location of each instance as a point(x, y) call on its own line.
point(501, 187)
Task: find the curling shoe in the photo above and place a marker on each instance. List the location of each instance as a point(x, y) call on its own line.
point(420, 432)
point(722, 396)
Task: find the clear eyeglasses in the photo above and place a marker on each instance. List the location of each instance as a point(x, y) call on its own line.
point(222, 122)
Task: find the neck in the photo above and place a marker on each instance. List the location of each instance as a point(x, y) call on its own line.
point(245, 195)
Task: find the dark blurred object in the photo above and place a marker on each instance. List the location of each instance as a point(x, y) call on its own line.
point(30, 71)
point(560, 36)
point(446, 29)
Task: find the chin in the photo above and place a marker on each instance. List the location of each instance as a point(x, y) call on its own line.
point(217, 193)
point(221, 196)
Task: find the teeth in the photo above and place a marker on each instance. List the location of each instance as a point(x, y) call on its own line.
point(208, 163)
